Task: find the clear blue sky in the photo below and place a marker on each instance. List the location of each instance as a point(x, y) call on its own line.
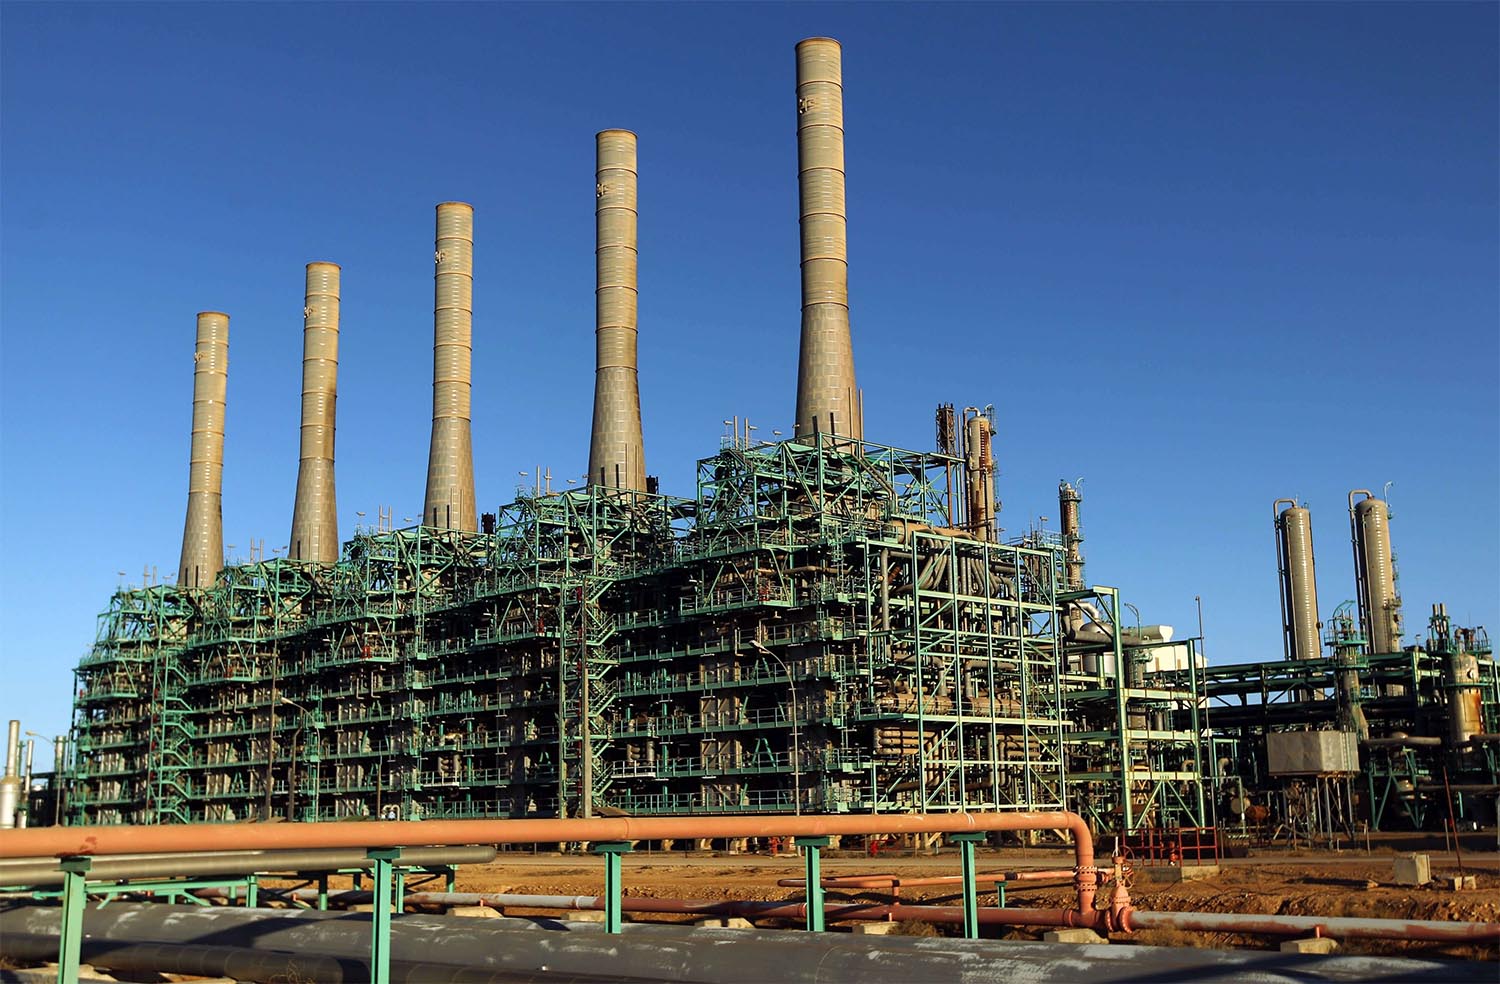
point(1203, 256)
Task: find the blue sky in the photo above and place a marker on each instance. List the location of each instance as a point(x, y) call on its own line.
point(1203, 256)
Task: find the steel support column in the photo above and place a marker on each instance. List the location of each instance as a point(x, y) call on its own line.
point(813, 846)
point(75, 894)
point(380, 919)
point(966, 844)
point(612, 881)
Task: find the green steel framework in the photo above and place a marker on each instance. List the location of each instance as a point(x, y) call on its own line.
point(810, 633)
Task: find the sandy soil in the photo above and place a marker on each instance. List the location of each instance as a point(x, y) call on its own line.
point(1301, 883)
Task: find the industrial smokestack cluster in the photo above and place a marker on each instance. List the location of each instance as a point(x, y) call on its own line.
point(828, 398)
point(315, 521)
point(203, 531)
point(617, 452)
point(450, 463)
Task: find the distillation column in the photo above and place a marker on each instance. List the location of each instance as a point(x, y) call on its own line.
point(827, 397)
point(1375, 572)
point(979, 474)
point(617, 457)
point(1068, 500)
point(203, 531)
point(315, 521)
point(1300, 627)
point(450, 463)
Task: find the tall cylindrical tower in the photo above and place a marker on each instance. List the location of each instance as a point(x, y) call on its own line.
point(827, 395)
point(1300, 627)
point(617, 457)
point(1068, 502)
point(1375, 572)
point(979, 475)
point(315, 521)
point(203, 531)
point(10, 781)
point(450, 463)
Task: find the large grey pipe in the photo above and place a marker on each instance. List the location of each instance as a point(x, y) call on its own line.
point(315, 520)
point(617, 456)
point(450, 463)
point(576, 951)
point(203, 531)
point(827, 395)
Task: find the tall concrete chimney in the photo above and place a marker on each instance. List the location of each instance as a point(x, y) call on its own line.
point(827, 396)
point(203, 532)
point(450, 464)
point(617, 456)
point(315, 520)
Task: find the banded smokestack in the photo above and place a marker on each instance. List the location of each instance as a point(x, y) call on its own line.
point(450, 463)
point(315, 520)
point(617, 456)
point(827, 396)
point(203, 532)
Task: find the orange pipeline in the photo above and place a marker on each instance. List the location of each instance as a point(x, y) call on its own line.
point(181, 838)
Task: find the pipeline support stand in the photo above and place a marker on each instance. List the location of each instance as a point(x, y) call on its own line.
point(966, 842)
point(813, 846)
point(75, 893)
point(380, 922)
point(613, 887)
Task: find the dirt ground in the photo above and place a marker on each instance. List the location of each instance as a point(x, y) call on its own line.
point(1312, 883)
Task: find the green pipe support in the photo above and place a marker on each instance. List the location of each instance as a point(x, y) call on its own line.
point(966, 842)
point(612, 850)
point(380, 919)
point(74, 895)
point(813, 847)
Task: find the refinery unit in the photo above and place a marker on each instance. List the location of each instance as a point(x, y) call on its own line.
point(825, 624)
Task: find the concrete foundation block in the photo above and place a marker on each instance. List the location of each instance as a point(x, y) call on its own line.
point(1413, 869)
point(475, 912)
point(730, 922)
point(1462, 883)
point(873, 928)
point(585, 915)
point(366, 907)
point(1315, 944)
point(1072, 936)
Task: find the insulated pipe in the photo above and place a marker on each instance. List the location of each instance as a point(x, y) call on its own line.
point(247, 963)
point(181, 838)
point(617, 456)
point(203, 530)
point(315, 520)
point(670, 953)
point(1338, 927)
point(450, 463)
point(827, 395)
